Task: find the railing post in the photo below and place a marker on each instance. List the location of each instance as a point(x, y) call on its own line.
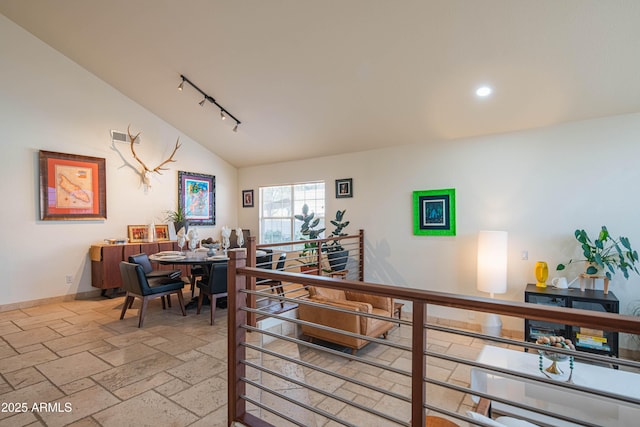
point(237, 335)
point(251, 284)
point(319, 257)
point(361, 255)
point(418, 364)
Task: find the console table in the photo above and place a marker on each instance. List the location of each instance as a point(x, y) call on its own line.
point(585, 339)
point(105, 261)
point(556, 399)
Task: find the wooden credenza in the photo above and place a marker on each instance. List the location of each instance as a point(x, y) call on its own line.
point(105, 261)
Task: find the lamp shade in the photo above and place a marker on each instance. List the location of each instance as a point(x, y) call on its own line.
point(492, 261)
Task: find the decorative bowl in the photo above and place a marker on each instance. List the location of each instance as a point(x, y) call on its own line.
point(557, 342)
point(212, 248)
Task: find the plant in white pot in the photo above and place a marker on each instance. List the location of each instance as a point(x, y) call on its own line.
point(308, 256)
point(336, 253)
point(605, 255)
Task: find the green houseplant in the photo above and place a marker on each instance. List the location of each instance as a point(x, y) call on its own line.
point(179, 219)
point(336, 253)
point(605, 254)
point(308, 256)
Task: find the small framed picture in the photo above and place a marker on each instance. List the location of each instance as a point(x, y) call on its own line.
point(162, 232)
point(434, 212)
point(138, 233)
point(247, 198)
point(344, 188)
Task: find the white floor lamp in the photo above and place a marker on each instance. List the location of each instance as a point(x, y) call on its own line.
point(492, 273)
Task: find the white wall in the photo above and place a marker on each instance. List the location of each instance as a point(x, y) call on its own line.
point(539, 185)
point(47, 102)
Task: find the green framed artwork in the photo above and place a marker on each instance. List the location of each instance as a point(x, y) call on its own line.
point(434, 212)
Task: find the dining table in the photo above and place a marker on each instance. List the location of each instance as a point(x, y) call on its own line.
point(198, 257)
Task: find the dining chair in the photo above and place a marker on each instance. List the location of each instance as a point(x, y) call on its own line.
point(214, 285)
point(274, 284)
point(196, 271)
point(136, 284)
point(143, 260)
point(265, 261)
point(233, 238)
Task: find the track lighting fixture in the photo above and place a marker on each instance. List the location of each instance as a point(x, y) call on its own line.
point(223, 111)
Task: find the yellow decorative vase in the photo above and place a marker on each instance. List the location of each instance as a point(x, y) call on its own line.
point(542, 273)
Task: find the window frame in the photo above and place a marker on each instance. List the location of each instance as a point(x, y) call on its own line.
point(295, 202)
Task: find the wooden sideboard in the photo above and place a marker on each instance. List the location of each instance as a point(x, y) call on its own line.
point(105, 261)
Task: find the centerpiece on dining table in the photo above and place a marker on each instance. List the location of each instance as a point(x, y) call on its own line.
point(210, 244)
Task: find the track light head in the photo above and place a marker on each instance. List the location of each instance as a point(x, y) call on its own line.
point(202, 102)
point(222, 116)
point(235, 128)
point(181, 85)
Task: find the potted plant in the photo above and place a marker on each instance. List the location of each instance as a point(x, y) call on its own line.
point(179, 219)
point(605, 254)
point(336, 253)
point(309, 255)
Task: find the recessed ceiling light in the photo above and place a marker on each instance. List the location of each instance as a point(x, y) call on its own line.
point(484, 91)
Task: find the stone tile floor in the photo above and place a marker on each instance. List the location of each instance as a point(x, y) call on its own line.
point(89, 368)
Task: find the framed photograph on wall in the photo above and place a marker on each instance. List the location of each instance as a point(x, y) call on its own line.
point(72, 187)
point(197, 196)
point(138, 233)
point(344, 188)
point(162, 232)
point(434, 212)
point(247, 198)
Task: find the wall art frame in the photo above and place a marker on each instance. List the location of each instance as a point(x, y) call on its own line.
point(434, 212)
point(197, 196)
point(161, 232)
point(344, 188)
point(247, 198)
point(72, 187)
point(138, 233)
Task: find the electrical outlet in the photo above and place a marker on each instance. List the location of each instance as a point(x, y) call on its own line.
point(524, 255)
point(68, 279)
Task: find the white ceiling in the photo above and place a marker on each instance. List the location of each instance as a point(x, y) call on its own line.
point(314, 78)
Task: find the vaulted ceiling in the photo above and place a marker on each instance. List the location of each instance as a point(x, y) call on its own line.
point(316, 78)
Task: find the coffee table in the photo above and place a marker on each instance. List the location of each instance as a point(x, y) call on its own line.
point(573, 403)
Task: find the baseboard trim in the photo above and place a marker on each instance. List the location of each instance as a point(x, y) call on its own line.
point(51, 300)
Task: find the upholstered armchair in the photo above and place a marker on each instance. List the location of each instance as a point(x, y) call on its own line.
point(351, 322)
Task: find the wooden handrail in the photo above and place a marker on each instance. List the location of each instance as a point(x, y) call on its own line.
point(573, 316)
point(301, 242)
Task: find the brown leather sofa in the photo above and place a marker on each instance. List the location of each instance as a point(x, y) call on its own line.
point(355, 301)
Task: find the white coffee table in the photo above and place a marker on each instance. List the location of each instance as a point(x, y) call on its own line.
point(579, 405)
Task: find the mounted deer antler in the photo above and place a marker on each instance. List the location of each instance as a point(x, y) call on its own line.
point(146, 171)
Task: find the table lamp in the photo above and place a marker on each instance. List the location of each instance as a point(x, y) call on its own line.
point(492, 273)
